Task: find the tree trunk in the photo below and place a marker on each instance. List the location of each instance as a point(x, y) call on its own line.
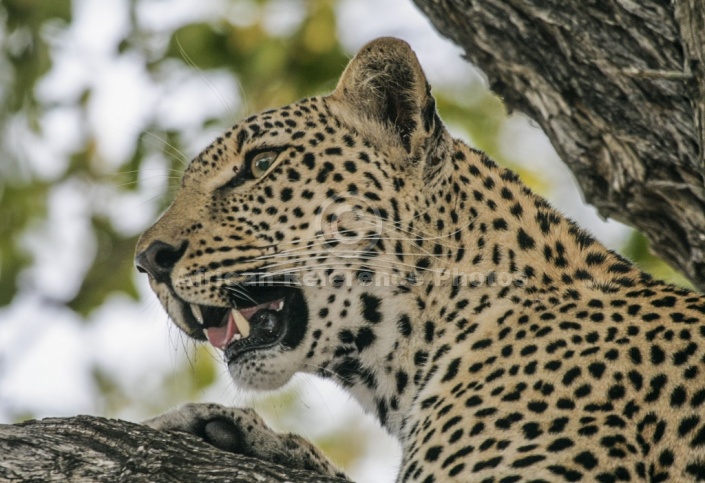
point(619, 88)
point(86, 448)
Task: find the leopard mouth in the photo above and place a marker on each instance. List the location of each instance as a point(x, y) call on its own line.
point(269, 316)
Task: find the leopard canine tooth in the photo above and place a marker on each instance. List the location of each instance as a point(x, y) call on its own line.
point(280, 305)
point(243, 326)
point(196, 311)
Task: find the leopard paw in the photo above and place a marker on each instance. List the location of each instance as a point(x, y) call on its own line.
point(242, 431)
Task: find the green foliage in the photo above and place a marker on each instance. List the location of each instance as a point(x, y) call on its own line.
point(111, 272)
point(25, 49)
point(20, 205)
point(24, 58)
point(271, 70)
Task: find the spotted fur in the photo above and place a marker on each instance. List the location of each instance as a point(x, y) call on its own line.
point(497, 340)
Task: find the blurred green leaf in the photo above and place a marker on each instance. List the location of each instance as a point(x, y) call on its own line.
point(28, 54)
point(637, 250)
point(271, 70)
point(481, 119)
point(112, 270)
point(34, 13)
point(20, 205)
point(189, 381)
point(202, 46)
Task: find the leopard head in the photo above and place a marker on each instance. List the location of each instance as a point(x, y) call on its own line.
point(278, 243)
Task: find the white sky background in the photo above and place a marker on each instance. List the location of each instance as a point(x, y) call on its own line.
point(46, 352)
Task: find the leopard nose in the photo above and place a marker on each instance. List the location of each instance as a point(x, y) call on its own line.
point(159, 259)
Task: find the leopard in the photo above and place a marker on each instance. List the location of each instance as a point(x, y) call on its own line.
point(352, 237)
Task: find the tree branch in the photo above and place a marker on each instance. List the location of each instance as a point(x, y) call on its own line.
point(619, 88)
point(87, 448)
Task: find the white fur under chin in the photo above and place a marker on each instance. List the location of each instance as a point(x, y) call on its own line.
point(259, 372)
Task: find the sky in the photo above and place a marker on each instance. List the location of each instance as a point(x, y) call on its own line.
point(47, 352)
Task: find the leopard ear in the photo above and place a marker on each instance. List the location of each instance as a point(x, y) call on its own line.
point(384, 82)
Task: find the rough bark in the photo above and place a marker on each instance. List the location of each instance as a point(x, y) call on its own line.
point(86, 448)
point(619, 88)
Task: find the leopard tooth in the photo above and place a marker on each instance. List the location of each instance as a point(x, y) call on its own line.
point(243, 326)
point(196, 311)
point(280, 306)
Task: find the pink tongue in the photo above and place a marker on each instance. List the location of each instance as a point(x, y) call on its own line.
point(221, 336)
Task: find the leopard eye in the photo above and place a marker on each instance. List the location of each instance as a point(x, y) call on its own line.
point(262, 162)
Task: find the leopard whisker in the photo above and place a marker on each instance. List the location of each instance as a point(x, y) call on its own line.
point(388, 270)
point(239, 293)
point(413, 236)
point(175, 151)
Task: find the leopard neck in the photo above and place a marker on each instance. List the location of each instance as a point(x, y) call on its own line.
point(498, 245)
